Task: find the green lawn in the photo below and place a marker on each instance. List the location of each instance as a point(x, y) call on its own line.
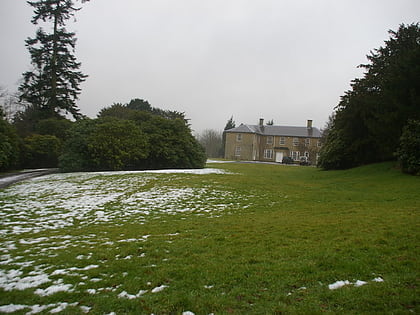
point(258, 239)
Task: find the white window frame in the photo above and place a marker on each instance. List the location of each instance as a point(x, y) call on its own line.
point(306, 154)
point(239, 137)
point(270, 139)
point(307, 142)
point(295, 142)
point(295, 155)
point(268, 154)
point(319, 143)
point(282, 141)
point(238, 151)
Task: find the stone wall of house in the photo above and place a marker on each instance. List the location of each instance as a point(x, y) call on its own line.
point(241, 146)
point(249, 146)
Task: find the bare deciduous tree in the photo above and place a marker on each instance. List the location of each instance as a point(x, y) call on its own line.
point(9, 104)
point(212, 142)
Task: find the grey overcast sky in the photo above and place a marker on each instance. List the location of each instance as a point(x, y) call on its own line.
point(286, 60)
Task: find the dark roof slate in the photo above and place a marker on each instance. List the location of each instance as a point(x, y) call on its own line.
point(272, 130)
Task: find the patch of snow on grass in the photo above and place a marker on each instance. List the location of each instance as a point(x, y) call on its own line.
point(85, 309)
point(83, 268)
point(125, 295)
point(35, 309)
point(61, 307)
point(11, 308)
point(338, 284)
point(159, 288)
point(358, 283)
point(11, 280)
point(59, 272)
point(34, 240)
point(54, 289)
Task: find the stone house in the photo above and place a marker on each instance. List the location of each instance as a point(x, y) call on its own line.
point(271, 143)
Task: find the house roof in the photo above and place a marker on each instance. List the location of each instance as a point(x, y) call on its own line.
point(272, 130)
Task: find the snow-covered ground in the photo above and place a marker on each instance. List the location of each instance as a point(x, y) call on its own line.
point(35, 212)
point(59, 200)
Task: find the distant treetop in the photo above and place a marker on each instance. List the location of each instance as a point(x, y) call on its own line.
point(230, 124)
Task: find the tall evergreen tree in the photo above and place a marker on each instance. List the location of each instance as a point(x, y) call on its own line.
point(368, 122)
point(53, 85)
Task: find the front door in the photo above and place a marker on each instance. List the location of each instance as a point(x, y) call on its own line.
point(279, 157)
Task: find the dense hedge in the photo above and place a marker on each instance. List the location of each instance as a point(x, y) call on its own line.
point(409, 150)
point(41, 151)
point(104, 144)
point(145, 141)
point(10, 146)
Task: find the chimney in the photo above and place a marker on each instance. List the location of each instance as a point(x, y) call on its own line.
point(309, 124)
point(261, 121)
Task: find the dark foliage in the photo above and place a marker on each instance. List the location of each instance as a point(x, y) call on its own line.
point(42, 137)
point(368, 121)
point(230, 124)
point(9, 146)
point(409, 150)
point(116, 110)
point(171, 143)
point(127, 111)
point(41, 151)
point(103, 145)
point(123, 138)
point(57, 127)
point(75, 156)
point(117, 144)
point(26, 121)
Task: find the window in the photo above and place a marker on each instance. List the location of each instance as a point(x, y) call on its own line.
point(307, 154)
point(239, 137)
point(238, 151)
point(268, 154)
point(319, 143)
point(307, 142)
point(295, 142)
point(270, 140)
point(295, 155)
point(282, 140)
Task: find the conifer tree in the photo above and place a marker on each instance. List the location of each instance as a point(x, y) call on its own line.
point(53, 85)
point(230, 124)
point(368, 122)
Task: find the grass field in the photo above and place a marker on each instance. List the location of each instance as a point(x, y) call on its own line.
point(234, 239)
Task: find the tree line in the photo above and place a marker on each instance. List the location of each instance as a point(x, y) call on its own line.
point(38, 133)
point(123, 137)
point(378, 119)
